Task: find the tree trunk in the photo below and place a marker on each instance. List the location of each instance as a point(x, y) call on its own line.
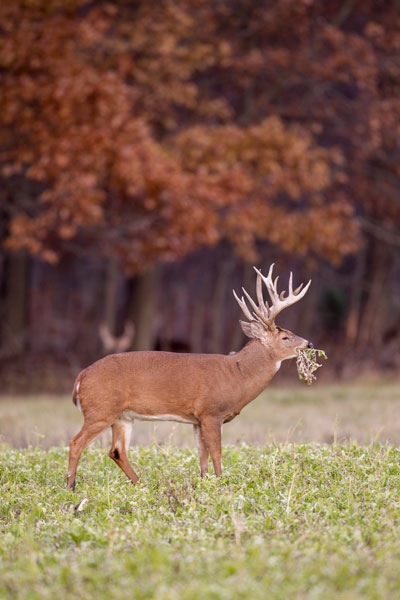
point(356, 296)
point(112, 282)
point(15, 325)
point(197, 326)
point(218, 305)
point(237, 338)
point(144, 309)
point(380, 262)
point(309, 304)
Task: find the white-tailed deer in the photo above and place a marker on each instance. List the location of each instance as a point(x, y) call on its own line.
point(204, 390)
point(112, 343)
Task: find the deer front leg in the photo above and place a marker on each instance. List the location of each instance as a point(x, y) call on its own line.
point(211, 433)
point(201, 448)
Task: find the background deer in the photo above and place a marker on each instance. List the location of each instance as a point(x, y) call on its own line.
point(204, 390)
point(113, 343)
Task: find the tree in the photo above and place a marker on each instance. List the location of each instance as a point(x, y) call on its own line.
point(148, 134)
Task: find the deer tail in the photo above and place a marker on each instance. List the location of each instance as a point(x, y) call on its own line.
point(75, 393)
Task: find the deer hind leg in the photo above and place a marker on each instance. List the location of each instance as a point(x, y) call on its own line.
point(78, 444)
point(121, 435)
point(201, 448)
point(211, 434)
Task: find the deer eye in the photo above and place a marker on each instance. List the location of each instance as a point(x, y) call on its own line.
point(285, 338)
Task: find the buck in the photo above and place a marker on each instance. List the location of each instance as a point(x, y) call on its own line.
point(203, 390)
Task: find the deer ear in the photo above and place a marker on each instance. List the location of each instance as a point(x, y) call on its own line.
point(246, 328)
point(253, 329)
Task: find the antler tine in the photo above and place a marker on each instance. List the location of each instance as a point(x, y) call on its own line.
point(297, 290)
point(302, 293)
point(261, 302)
point(279, 302)
point(259, 314)
point(269, 284)
point(250, 299)
point(264, 313)
point(243, 306)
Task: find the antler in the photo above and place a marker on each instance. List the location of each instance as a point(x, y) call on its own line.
point(113, 343)
point(264, 313)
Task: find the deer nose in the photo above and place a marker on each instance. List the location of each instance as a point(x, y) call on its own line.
point(310, 345)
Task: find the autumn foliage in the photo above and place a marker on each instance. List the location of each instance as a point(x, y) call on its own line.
point(133, 133)
point(150, 130)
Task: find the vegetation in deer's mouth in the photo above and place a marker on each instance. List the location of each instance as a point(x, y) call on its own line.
point(307, 363)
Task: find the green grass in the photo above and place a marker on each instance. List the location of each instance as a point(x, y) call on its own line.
point(298, 521)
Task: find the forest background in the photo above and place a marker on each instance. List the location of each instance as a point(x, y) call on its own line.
point(151, 153)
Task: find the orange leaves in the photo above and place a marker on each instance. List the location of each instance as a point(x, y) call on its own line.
point(249, 168)
point(251, 159)
point(315, 229)
point(149, 130)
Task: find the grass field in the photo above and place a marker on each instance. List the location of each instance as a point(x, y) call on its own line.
point(284, 521)
point(289, 518)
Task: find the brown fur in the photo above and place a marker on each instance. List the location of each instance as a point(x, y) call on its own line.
point(205, 389)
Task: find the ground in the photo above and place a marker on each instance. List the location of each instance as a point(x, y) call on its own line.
point(285, 521)
point(288, 518)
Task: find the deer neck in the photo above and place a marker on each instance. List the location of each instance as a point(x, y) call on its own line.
point(256, 364)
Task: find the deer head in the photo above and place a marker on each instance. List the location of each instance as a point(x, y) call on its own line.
point(261, 320)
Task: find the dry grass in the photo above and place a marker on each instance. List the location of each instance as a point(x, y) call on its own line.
point(364, 412)
point(307, 363)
